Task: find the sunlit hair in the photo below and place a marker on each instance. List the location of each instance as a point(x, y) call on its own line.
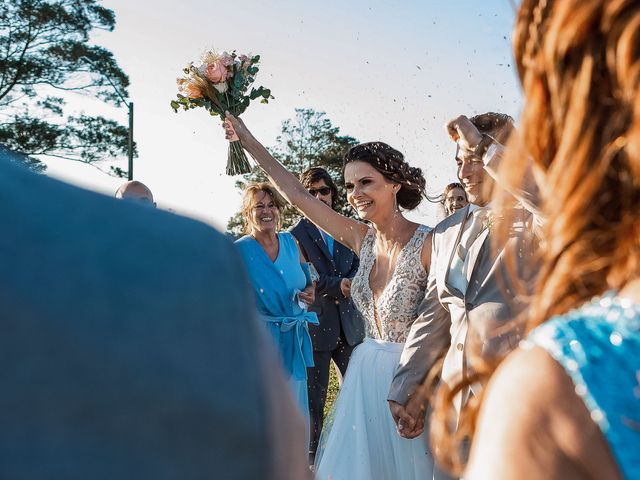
point(391, 165)
point(249, 200)
point(579, 65)
point(498, 125)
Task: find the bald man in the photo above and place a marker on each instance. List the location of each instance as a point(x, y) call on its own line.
point(136, 191)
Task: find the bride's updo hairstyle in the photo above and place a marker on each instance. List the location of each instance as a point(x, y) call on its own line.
point(392, 165)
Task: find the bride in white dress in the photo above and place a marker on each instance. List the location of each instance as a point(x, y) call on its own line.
point(361, 442)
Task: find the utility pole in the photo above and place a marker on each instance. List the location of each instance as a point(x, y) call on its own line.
point(130, 150)
point(129, 106)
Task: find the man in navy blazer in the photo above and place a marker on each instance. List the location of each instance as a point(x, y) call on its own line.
point(341, 327)
point(130, 345)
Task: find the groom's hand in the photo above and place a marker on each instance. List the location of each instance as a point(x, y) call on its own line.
point(416, 408)
point(404, 421)
point(465, 133)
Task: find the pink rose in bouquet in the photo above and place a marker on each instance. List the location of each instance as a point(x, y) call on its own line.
point(216, 72)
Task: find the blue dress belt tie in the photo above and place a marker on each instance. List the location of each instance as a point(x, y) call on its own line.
point(302, 356)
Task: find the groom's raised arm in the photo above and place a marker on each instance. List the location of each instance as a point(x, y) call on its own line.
point(429, 338)
point(527, 193)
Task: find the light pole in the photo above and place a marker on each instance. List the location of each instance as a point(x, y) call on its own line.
point(130, 146)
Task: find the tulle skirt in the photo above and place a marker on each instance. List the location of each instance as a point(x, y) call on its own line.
point(360, 440)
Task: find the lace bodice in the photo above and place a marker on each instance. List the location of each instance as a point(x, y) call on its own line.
point(397, 306)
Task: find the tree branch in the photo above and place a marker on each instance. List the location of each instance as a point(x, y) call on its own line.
point(72, 159)
point(68, 89)
point(20, 65)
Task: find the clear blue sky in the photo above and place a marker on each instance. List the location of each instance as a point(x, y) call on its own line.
point(383, 70)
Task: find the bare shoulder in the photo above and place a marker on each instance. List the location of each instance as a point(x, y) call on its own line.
point(532, 424)
point(357, 231)
point(527, 372)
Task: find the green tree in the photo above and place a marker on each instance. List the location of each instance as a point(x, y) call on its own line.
point(307, 140)
point(45, 55)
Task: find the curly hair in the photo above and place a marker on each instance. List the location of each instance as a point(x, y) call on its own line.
point(392, 165)
point(579, 65)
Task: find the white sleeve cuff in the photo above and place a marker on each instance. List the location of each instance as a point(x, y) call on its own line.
point(493, 154)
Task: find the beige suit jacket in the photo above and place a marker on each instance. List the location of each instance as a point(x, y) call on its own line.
point(447, 314)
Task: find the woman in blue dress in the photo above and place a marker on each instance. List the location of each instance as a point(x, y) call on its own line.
point(276, 268)
point(566, 404)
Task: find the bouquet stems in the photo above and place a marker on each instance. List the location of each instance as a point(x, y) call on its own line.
point(237, 163)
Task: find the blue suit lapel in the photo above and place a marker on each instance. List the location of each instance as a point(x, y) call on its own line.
point(315, 235)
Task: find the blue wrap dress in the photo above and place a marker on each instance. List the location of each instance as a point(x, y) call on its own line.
point(276, 285)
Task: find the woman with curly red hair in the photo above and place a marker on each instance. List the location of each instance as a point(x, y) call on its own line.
point(566, 404)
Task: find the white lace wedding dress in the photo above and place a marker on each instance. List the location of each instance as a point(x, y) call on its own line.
point(359, 440)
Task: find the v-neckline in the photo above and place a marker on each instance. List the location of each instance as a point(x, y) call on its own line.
point(265, 252)
point(395, 267)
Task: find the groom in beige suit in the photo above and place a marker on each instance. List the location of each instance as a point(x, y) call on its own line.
point(468, 289)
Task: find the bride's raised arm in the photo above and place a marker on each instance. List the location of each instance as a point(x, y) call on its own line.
point(346, 230)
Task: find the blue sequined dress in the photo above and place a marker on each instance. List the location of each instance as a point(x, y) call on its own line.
point(598, 345)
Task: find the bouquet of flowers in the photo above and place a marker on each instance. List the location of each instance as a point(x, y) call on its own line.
point(221, 83)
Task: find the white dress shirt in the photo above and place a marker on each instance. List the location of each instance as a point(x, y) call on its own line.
point(459, 270)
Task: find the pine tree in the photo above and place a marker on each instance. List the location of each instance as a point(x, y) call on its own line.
point(45, 56)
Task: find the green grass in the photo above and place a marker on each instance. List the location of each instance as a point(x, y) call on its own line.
point(332, 391)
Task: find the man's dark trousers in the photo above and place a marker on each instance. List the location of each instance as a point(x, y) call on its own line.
point(341, 327)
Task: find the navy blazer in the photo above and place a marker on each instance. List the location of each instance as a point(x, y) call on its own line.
point(130, 345)
point(333, 309)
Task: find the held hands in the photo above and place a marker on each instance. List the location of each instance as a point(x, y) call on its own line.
point(345, 287)
point(416, 408)
point(404, 421)
point(308, 295)
point(464, 133)
point(409, 418)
